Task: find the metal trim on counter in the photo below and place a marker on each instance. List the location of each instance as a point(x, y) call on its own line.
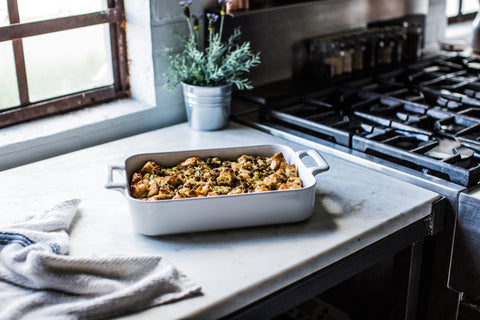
point(468, 310)
point(447, 189)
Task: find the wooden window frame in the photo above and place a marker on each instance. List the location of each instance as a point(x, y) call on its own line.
point(461, 17)
point(16, 31)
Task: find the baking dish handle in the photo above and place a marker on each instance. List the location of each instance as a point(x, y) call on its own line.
point(110, 183)
point(322, 165)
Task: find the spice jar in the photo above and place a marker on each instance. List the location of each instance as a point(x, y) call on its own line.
point(398, 35)
point(347, 48)
point(358, 53)
point(414, 40)
point(370, 50)
point(338, 57)
point(322, 58)
point(384, 50)
point(301, 60)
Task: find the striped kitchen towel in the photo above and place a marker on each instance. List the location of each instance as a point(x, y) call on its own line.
point(38, 280)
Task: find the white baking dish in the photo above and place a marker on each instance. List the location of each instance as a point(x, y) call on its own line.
point(221, 212)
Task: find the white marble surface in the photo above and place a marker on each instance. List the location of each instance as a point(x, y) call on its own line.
point(354, 207)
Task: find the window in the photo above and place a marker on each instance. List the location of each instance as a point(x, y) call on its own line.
point(60, 55)
point(461, 10)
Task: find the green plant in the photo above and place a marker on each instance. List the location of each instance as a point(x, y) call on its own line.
point(219, 63)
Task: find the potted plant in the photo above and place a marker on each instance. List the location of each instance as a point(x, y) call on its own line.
point(207, 73)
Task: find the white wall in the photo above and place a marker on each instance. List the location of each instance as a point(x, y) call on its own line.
point(436, 24)
point(166, 19)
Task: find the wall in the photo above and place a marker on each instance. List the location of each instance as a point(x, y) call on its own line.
point(166, 19)
point(436, 24)
point(273, 31)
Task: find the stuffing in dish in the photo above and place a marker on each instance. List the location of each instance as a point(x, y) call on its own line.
point(196, 177)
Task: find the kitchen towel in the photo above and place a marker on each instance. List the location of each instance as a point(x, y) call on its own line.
point(38, 280)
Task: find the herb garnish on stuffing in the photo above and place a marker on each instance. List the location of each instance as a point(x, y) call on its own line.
point(196, 177)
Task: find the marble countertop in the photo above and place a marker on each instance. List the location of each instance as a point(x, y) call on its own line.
point(355, 206)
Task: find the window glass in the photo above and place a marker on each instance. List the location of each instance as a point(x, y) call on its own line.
point(452, 6)
point(4, 20)
point(53, 72)
point(469, 6)
point(68, 61)
point(8, 79)
point(34, 10)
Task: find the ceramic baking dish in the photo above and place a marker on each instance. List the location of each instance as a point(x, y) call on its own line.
point(220, 212)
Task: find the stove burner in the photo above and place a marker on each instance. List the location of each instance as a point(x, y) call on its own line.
point(384, 107)
point(404, 142)
point(410, 118)
point(425, 116)
point(448, 104)
point(450, 151)
point(472, 93)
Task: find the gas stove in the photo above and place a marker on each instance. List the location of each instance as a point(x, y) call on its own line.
point(425, 116)
point(419, 122)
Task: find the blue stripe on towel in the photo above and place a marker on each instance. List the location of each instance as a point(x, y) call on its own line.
point(7, 238)
point(13, 237)
point(55, 247)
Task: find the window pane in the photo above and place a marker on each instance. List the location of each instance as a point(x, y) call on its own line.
point(68, 61)
point(34, 10)
point(451, 9)
point(4, 20)
point(469, 6)
point(8, 81)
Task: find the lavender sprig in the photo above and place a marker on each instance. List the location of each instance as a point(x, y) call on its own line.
point(186, 7)
point(212, 18)
point(196, 27)
point(223, 12)
point(186, 13)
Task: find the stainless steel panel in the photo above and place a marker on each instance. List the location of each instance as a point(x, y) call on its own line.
point(465, 264)
point(468, 312)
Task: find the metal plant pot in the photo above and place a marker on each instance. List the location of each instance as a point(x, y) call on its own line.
point(207, 108)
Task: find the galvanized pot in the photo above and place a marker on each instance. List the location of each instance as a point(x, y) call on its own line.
point(207, 108)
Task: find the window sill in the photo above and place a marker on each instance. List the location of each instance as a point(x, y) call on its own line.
point(461, 31)
point(44, 138)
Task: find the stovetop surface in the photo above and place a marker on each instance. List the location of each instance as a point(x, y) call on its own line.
point(425, 115)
